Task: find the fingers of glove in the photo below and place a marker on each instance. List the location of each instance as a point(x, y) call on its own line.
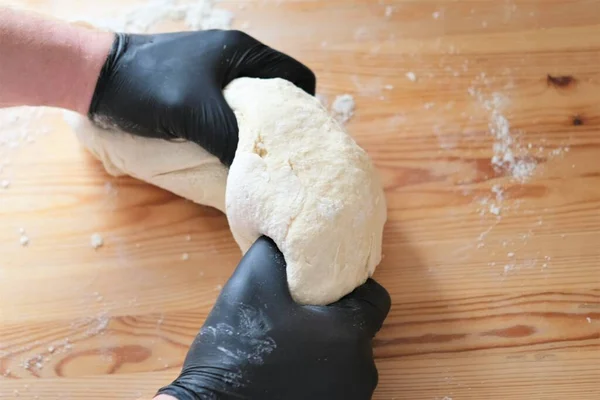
point(257, 60)
point(213, 125)
point(372, 301)
point(270, 63)
point(260, 278)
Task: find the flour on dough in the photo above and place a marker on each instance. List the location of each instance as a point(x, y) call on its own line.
point(297, 177)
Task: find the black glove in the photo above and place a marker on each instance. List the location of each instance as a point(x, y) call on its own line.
point(170, 85)
point(258, 344)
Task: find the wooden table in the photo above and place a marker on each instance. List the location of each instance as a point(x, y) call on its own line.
point(492, 263)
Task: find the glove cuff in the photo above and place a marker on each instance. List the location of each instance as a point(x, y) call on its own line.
point(118, 47)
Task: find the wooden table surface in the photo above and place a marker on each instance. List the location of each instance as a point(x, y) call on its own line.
point(492, 263)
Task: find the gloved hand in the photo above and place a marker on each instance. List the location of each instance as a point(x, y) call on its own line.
point(257, 343)
point(170, 85)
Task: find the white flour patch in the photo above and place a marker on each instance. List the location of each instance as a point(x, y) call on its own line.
point(24, 240)
point(343, 108)
point(196, 15)
point(96, 240)
point(510, 156)
point(515, 161)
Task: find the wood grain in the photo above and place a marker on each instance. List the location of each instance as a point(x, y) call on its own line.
point(485, 306)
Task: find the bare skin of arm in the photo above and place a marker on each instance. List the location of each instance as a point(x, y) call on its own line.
point(47, 62)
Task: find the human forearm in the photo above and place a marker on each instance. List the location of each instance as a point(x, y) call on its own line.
point(46, 62)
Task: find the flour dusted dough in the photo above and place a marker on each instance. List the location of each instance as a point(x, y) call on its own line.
point(180, 167)
point(297, 177)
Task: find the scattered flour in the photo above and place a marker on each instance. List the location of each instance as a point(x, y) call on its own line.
point(96, 240)
point(35, 362)
point(411, 76)
point(185, 257)
point(196, 15)
point(510, 155)
point(24, 240)
point(515, 161)
point(343, 108)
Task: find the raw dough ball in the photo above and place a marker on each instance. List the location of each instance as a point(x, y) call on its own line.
point(299, 179)
point(180, 167)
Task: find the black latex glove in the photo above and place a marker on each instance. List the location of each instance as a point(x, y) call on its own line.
point(170, 85)
point(258, 344)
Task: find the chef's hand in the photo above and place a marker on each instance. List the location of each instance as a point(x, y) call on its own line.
point(257, 343)
point(170, 85)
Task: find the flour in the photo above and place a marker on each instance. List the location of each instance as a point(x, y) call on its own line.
point(343, 108)
point(515, 161)
point(96, 240)
point(196, 15)
point(411, 76)
point(24, 240)
point(505, 146)
point(509, 154)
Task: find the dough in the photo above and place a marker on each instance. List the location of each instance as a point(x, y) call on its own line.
point(297, 177)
